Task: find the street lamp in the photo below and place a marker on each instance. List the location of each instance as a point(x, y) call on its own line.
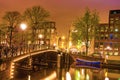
point(23, 26)
point(69, 45)
point(106, 56)
point(40, 36)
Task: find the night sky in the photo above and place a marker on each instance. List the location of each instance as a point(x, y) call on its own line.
point(63, 12)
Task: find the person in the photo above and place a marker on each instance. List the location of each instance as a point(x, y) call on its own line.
point(0, 51)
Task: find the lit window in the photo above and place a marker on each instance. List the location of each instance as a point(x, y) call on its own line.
point(116, 53)
point(116, 30)
point(52, 31)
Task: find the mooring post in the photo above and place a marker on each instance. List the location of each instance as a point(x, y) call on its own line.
point(59, 60)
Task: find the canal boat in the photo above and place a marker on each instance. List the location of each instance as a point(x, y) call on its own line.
point(87, 63)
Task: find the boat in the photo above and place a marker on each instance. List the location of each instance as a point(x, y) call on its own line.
point(87, 63)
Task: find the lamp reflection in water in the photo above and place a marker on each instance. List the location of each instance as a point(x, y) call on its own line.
point(29, 77)
point(68, 76)
point(80, 75)
point(51, 77)
point(106, 74)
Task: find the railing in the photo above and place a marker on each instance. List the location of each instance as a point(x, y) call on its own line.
point(6, 52)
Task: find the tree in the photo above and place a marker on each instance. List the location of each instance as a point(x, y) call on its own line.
point(34, 16)
point(12, 19)
point(86, 28)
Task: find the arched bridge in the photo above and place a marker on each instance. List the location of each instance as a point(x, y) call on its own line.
point(37, 58)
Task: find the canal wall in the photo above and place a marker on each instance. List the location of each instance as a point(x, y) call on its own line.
point(116, 58)
point(5, 69)
point(113, 59)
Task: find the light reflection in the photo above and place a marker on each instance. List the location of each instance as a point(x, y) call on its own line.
point(87, 77)
point(106, 75)
point(106, 78)
point(63, 78)
point(82, 71)
point(51, 77)
point(68, 76)
point(80, 75)
point(29, 77)
point(77, 75)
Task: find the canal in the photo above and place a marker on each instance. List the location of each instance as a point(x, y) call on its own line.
point(67, 73)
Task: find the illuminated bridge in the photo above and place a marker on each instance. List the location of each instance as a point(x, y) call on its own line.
point(30, 61)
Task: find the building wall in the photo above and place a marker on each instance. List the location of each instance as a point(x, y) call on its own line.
point(48, 30)
point(107, 39)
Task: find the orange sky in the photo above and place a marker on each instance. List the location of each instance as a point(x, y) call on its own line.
point(63, 12)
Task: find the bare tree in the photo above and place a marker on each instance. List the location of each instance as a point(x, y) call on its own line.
point(12, 19)
point(34, 16)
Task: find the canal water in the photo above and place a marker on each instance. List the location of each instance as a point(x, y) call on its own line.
point(68, 73)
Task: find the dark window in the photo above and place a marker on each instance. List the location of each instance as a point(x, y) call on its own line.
point(111, 44)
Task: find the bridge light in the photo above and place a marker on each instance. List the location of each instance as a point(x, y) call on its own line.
point(12, 70)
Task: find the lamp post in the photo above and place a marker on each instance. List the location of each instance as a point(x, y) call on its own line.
point(23, 26)
point(106, 55)
point(40, 36)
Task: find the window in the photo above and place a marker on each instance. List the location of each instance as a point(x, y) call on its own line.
point(48, 30)
point(96, 45)
point(106, 36)
point(111, 19)
point(116, 36)
point(114, 12)
point(106, 29)
point(111, 44)
point(116, 53)
point(102, 29)
point(102, 36)
point(116, 46)
point(111, 36)
point(117, 18)
point(116, 30)
point(97, 37)
point(111, 28)
point(52, 30)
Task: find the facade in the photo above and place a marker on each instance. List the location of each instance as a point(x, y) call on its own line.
point(107, 39)
point(48, 32)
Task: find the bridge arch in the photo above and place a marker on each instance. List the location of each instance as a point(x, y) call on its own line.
point(22, 57)
point(34, 55)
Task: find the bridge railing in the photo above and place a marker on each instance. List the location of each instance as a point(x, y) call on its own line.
point(6, 52)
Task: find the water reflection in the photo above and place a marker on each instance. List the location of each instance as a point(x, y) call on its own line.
point(51, 77)
point(72, 73)
point(29, 77)
point(81, 74)
point(106, 74)
point(68, 76)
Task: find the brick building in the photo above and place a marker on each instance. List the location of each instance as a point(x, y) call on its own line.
point(107, 39)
